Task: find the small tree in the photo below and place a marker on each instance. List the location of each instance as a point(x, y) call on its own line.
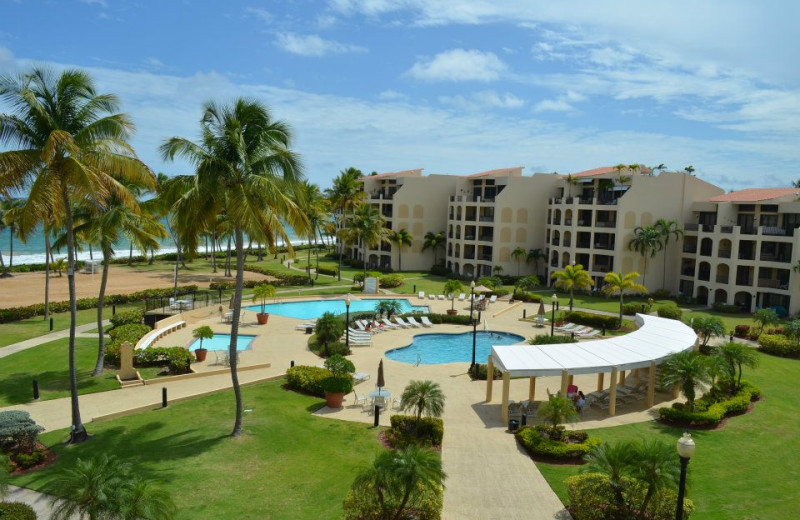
point(572, 277)
point(686, 370)
point(262, 292)
point(498, 270)
point(518, 254)
point(388, 307)
point(18, 432)
point(452, 287)
point(340, 380)
point(708, 327)
point(732, 357)
point(329, 327)
point(423, 397)
point(557, 410)
point(202, 333)
point(619, 283)
point(765, 318)
point(528, 283)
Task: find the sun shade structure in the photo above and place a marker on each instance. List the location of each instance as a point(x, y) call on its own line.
point(655, 339)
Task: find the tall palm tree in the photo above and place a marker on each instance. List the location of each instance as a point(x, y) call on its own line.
point(571, 181)
point(246, 168)
point(518, 254)
point(434, 241)
point(686, 370)
point(572, 277)
point(9, 215)
point(733, 356)
point(667, 229)
point(315, 207)
point(535, 256)
point(647, 241)
point(423, 397)
point(70, 145)
point(345, 196)
point(401, 237)
point(365, 226)
point(619, 283)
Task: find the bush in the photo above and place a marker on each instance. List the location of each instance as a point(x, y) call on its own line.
point(16, 511)
point(458, 319)
point(28, 460)
point(362, 504)
point(544, 339)
point(337, 385)
point(328, 271)
point(404, 432)
point(527, 297)
point(133, 316)
point(727, 309)
point(713, 406)
point(479, 372)
point(18, 432)
point(441, 270)
point(535, 442)
point(280, 279)
point(779, 345)
point(598, 321)
point(631, 308)
point(334, 347)
point(178, 359)
point(132, 333)
point(661, 294)
point(741, 331)
point(307, 379)
point(391, 281)
point(669, 310)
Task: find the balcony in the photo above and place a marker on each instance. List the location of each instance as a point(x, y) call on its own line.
point(604, 246)
point(585, 201)
point(602, 268)
point(568, 222)
point(722, 279)
point(485, 258)
point(687, 248)
point(724, 253)
point(747, 255)
point(745, 282)
point(606, 224)
point(704, 276)
point(469, 256)
point(773, 231)
point(583, 245)
point(770, 283)
point(469, 237)
point(567, 243)
point(555, 241)
point(487, 218)
point(705, 251)
point(690, 227)
point(486, 238)
point(687, 272)
point(726, 229)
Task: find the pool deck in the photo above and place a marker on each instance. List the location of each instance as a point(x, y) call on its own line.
point(489, 476)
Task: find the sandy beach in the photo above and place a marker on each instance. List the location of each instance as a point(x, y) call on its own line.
point(28, 288)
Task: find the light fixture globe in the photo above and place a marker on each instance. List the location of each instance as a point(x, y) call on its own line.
point(472, 284)
point(686, 446)
point(347, 301)
point(554, 299)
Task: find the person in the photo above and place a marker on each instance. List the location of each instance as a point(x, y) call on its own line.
point(580, 402)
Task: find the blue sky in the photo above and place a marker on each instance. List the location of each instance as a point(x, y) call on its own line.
point(449, 86)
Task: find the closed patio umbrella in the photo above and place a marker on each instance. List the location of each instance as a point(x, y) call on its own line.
point(540, 318)
point(381, 382)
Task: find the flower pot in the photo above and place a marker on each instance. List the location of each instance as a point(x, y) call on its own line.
point(200, 354)
point(334, 400)
point(452, 312)
point(262, 318)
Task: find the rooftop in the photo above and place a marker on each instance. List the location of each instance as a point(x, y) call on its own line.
point(608, 169)
point(516, 171)
point(405, 173)
point(756, 194)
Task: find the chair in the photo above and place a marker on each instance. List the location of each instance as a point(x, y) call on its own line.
point(461, 297)
point(360, 377)
point(431, 297)
point(426, 322)
point(441, 297)
point(379, 401)
point(359, 400)
point(397, 403)
point(401, 322)
point(412, 321)
point(361, 326)
point(493, 298)
point(421, 295)
point(389, 324)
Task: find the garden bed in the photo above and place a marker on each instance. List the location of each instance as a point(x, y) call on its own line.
point(568, 448)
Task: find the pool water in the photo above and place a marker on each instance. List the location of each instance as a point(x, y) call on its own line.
point(434, 349)
point(307, 310)
point(222, 342)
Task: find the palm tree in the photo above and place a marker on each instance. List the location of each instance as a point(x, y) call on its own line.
point(388, 307)
point(689, 169)
point(72, 146)
point(571, 181)
point(401, 478)
point(245, 167)
point(527, 283)
point(571, 278)
point(620, 283)
point(143, 501)
point(452, 287)
point(201, 333)
point(423, 397)
point(613, 461)
point(667, 229)
point(765, 318)
point(535, 255)
point(518, 254)
point(402, 238)
point(315, 207)
point(708, 327)
point(686, 370)
point(434, 241)
point(329, 327)
point(733, 356)
point(367, 226)
point(653, 463)
point(558, 410)
point(9, 215)
point(345, 196)
point(647, 242)
point(661, 167)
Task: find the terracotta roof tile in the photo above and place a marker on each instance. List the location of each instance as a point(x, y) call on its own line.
point(756, 194)
point(411, 173)
point(608, 169)
point(497, 172)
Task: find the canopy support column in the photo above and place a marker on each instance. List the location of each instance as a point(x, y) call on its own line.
point(636, 375)
point(622, 378)
point(564, 383)
point(612, 395)
point(504, 404)
point(600, 381)
point(651, 384)
point(532, 389)
point(489, 379)
point(571, 379)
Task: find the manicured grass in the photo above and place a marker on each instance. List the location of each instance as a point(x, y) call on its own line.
point(744, 470)
point(287, 465)
point(48, 364)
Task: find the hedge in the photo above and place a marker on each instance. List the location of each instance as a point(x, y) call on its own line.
point(544, 339)
point(133, 316)
point(527, 297)
point(714, 406)
point(391, 281)
point(16, 511)
point(230, 285)
point(741, 331)
point(361, 503)
point(535, 442)
point(281, 279)
point(631, 308)
point(669, 310)
point(478, 372)
point(726, 308)
point(458, 319)
point(598, 321)
point(404, 432)
point(779, 345)
point(307, 379)
point(328, 271)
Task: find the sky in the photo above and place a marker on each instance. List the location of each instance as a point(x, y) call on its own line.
point(451, 86)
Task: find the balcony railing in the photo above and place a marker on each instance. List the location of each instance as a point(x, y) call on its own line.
point(722, 279)
point(726, 229)
point(704, 276)
point(486, 218)
point(555, 241)
point(605, 224)
point(745, 255)
point(689, 249)
point(469, 256)
point(603, 268)
point(584, 245)
point(687, 272)
point(567, 243)
point(770, 283)
point(690, 227)
point(705, 251)
point(585, 201)
point(486, 238)
point(469, 237)
point(724, 253)
point(486, 258)
point(604, 246)
point(745, 282)
point(567, 221)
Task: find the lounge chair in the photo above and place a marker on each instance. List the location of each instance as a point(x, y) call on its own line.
point(304, 326)
point(441, 296)
point(397, 403)
point(361, 326)
point(421, 295)
point(412, 321)
point(401, 322)
point(589, 334)
point(426, 322)
point(461, 297)
point(431, 297)
point(493, 298)
point(360, 377)
point(389, 324)
point(567, 327)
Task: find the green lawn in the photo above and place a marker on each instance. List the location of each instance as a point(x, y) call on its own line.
point(745, 470)
point(48, 364)
point(287, 465)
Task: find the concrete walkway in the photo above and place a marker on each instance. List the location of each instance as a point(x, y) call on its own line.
point(81, 331)
point(38, 501)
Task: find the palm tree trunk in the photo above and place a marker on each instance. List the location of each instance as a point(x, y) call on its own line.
point(237, 307)
point(214, 251)
point(400, 258)
point(91, 256)
point(78, 431)
point(11, 247)
point(3, 266)
point(308, 261)
point(620, 306)
point(364, 262)
point(101, 338)
point(177, 259)
point(341, 250)
point(316, 251)
point(130, 254)
point(260, 253)
point(664, 278)
point(46, 273)
point(228, 258)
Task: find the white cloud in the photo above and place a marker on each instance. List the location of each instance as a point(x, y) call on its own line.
point(325, 21)
point(101, 3)
point(313, 45)
point(485, 99)
point(154, 63)
point(390, 95)
point(553, 105)
point(259, 13)
point(6, 57)
point(459, 65)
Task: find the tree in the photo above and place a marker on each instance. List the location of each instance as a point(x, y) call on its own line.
point(329, 327)
point(399, 479)
point(366, 226)
point(661, 167)
point(765, 318)
point(571, 181)
point(72, 146)
point(497, 270)
point(557, 410)
point(345, 196)
point(262, 292)
point(708, 327)
point(9, 215)
point(796, 184)
point(388, 307)
point(528, 283)
point(619, 283)
point(686, 370)
point(612, 460)
point(689, 169)
point(793, 329)
point(647, 242)
point(732, 357)
point(245, 168)
point(434, 241)
point(667, 229)
point(518, 254)
point(571, 278)
point(314, 205)
point(402, 238)
point(535, 256)
point(654, 464)
point(201, 333)
point(452, 287)
point(423, 397)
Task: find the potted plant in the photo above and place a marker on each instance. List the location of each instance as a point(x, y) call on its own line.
point(262, 292)
point(202, 333)
point(452, 287)
point(340, 381)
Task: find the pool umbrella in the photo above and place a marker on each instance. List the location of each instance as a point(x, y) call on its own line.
point(540, 319)
point(381, 382)
point(481, 289)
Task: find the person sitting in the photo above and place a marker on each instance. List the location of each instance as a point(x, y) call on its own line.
point(572, 392)
point(580, 401)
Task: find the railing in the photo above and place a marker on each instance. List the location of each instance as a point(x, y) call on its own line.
point(704, 276)
point(605, 224)
point(769, 283)
point(487, 258)
point(746, 282)
point(743, 255)
point(603, 268)
point(469, 237)
point(486, 238)
point(705, 251)
point(469, 256)
point(606, 201)
point(567, 243)
point(689, 249)
point(726, 229)
point(708, 228)
point(567, 221)
point(557, 222)
point(555, 241)
point(773, 231)
point(584, 201)
point(687, 272)
point(604, 246)
point(724, 253)
point(486, 219)
point(722, 279)
point(583, 245)
point(690, 227)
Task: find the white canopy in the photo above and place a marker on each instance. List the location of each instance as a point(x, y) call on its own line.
point(655, 339)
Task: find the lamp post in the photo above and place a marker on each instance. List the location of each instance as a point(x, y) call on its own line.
point(472, 317)
point(347, 322)
point(685, 451)
point(554, 301)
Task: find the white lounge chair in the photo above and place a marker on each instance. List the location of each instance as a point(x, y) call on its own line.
point(592, 333)
point(462, 297)
point(360, 377)
point(431, 297)
point(493, 298)
point(389, 324)
point(421, 295)
point(441, 296)
point(401, 322)
point(412, 321)
point(426, 322)
point(361, 326)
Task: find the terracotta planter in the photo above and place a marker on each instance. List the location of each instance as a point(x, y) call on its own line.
point(334, 400)
point(452, 312)
point(262, 318)
point(201, 354)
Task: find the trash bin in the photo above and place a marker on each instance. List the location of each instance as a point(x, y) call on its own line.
point(513, 425)
point(309, 330)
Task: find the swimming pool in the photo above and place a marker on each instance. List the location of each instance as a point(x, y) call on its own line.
point(434, 349)
point(222, 342)
point(307, 310)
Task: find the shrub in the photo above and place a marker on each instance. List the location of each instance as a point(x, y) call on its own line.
point(16, 511)
point(631, 308)
point(361, 503)
point(390, 281)
point(479, 372)
point(741, 331)
point(133, 316)
point(307, 379)
point(178, 359)
point(404, 432)
point(458, 319)
point(441, 270)
point(598, 321)
point(334, 347)
point(18, 432)
point(28, 460)
point(661, 294)
point(779, 345)
point(328, 271)
point(337, 385)
point(726, 308)
point(544, 339)
point(279, 278)
point(527, 297)
point(669, 310)
point(537, 444)
point(132, 333)
point(712, 407)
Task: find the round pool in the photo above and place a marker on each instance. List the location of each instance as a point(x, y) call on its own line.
point(222, 342)
point(434, 349)
point(306, 310)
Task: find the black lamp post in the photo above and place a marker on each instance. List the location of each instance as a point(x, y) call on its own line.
point(347, 322)
point(685, 451)
point(554, 301)
point(474, 323)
